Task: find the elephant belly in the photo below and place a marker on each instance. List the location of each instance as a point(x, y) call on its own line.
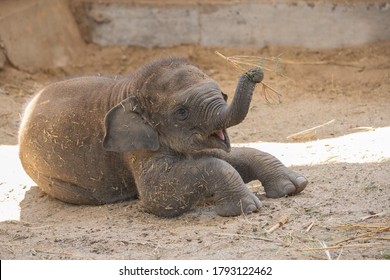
point(61, 150)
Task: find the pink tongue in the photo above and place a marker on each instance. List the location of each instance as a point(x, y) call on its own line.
point(220, 134)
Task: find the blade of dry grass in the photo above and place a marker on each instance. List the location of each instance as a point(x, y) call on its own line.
point(306, 131)
point(327, 253)
point(244, 236)
point(373, 216)
point(309, 227)
point(363, 245)
point(363, 235)
point(362, 226)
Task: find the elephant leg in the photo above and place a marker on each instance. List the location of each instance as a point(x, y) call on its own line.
point(252, 164)
point(76, 194)
point(170, 190)
point(67, 192)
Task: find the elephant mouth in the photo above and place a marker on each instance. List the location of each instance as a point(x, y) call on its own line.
point(222, 138)
point(220, 134)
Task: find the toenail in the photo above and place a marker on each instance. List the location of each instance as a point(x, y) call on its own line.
point(289, 189)
point(301, 181)
point(250, 209)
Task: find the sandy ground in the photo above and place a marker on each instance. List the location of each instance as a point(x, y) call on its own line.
point(346, 206)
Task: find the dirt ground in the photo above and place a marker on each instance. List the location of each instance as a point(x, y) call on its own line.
point(345, 206)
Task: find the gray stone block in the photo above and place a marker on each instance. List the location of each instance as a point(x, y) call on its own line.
point(242, 24)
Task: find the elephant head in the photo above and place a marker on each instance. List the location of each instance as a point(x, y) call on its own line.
point(172, 104)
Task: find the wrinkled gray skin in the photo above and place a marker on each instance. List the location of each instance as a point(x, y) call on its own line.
point(158, 134)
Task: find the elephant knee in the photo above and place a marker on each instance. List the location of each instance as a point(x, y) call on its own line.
point(165, 211)
point(166, 202)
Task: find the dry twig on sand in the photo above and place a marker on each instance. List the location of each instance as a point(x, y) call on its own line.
point(244, 236)
point(363, 245)
point(371, 233)
point(374, 216)
point(280, 223)
point(309, 227)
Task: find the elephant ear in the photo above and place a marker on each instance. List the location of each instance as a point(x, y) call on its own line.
point(126, 131)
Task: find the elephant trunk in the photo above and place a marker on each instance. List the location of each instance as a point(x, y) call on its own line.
point(236, 112)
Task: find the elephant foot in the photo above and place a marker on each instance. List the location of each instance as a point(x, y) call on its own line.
point(229, 205)
point(285, 183)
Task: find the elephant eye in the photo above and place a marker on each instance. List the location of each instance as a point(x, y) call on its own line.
point(225, 97)
point(182, 113)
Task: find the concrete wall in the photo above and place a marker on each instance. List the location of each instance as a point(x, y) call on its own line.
point(244, 24)
point(38, 34)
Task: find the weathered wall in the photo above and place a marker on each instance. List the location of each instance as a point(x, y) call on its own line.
point(38, 33)
point(322, 24)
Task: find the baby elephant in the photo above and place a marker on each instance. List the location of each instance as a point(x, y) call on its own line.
point(158, 134)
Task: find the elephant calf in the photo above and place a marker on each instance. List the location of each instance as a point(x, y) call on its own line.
point(158, 134)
